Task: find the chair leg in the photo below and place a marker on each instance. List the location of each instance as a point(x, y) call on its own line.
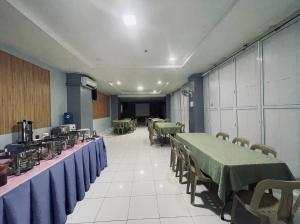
point(233, 209)
point(181, 172)
point(174, 163)
point(171, 158)
point(188, 181)
point(177, 167)
point(193, 188)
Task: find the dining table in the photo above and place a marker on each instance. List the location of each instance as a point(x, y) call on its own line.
point(231, 166)
point(166, 128)
point(152, 121)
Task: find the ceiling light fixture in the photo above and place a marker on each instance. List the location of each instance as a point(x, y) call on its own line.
point(159, 82)
point(129, 20)
point(140, 88)
point(154, 91)
point(119, 83)
point(167, 83)
point(172, 59)
point(110, 83)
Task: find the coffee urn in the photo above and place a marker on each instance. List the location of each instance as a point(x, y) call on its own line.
point(24, 131)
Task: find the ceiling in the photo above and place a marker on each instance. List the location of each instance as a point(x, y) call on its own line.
point(89, 36)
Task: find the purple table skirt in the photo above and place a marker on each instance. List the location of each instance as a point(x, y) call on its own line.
point(51, 195)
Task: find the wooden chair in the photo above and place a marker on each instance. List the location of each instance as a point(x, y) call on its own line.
point(182, 161)
point(173, 156)
point(151, 134)
point(241, 141)
point(223, 135)
point(119, 127)
point(267, 150)
point(182, 128)
point(195, 175)
point(265, 206)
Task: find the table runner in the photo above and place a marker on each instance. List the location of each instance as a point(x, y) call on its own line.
point(50, 191)
point(231, 166)
point(165, 128)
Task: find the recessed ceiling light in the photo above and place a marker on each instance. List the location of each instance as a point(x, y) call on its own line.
point(154, 91)
point(110, 83)
point(118, 83)
point(172, 59)
point(140, 88)
point(159, 82)
point(129, 20)
point(167, 83)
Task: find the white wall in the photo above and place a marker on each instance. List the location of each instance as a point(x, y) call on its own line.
point(101, 124)
point(256, 95)
point(180, 109)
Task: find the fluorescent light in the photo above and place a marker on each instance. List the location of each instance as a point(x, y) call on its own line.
point(118, 83)
point(172, 59)
point(140, 88)
point(159, 82)
point(129, 20)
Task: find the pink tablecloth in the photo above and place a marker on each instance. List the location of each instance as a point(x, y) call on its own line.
point(15, 181)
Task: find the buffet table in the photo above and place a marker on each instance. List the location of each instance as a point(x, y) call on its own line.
point(49, 192)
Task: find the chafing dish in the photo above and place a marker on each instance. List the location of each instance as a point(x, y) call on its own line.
point(3, 175)
point(51, 149)
point(20, 158)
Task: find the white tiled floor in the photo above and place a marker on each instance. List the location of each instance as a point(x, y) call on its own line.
point(138, 187)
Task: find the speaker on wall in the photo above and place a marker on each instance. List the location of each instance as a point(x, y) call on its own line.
point(94, 94)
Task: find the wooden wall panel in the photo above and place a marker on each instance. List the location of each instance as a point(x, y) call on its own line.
point(24, 93)
point(101, 106)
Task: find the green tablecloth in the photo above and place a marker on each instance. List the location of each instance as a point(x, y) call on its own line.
point(152, 121)
point(164, 128)
point(125, 122)
point(231, 166)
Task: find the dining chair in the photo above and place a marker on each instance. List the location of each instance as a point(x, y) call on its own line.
point(151, 134)
point(241, 141)
point(264, 149)
point(135, 124)
point(173, 156)
point(223, 135)
point(195, 175)
point(182, 128)
point(265, 206)
point(182, 161)
point(120, 127)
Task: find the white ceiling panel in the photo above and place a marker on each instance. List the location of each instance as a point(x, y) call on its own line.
point(90, 36)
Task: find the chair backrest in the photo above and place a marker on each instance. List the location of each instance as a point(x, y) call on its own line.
point(183, 150)
point(241, 141)
point(267, 150)
point(195, 168)
point(178, 123)
point(182, 128)
point(172, 142)
point(223, 135)
point(287, 207)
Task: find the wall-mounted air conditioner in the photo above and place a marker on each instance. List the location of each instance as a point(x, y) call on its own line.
point(88, 83)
